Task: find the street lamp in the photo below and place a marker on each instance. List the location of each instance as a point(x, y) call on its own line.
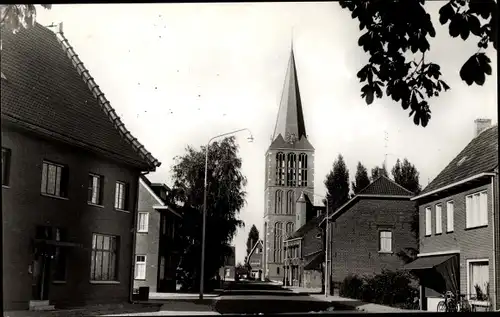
point(202, 273)
point(327, 276)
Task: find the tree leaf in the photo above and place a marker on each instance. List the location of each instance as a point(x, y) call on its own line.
point(446, 12)
point(475, 69)
point(455, 25)
point(474, 25)
point(367, 93)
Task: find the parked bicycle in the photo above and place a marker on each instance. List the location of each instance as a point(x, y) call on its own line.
point(451, 304)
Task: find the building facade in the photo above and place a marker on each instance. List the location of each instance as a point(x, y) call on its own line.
point(459, 226)
point(255, 260)
point(304, 254)
point(289, 170)
point(228, 271)
point(157, 222)
point(70, 175)
point(369, 230)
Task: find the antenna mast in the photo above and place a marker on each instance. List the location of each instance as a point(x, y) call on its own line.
point(386, 139)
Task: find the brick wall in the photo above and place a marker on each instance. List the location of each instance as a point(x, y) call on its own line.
point(472, 243)
point(24, 208)
point(148, 243)
point(355, 237)
point(311, 242)
point(256, 258)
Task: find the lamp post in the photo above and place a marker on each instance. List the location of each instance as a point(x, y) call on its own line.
point(202, 269)
point(327, 242)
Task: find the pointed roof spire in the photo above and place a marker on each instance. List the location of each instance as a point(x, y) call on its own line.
point(290, 120)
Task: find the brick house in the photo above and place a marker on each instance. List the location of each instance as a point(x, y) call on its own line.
point(156, 257)
point(228, 271)
point(255, 258)
point(304, 248)
point(459, 225)
point(367, 231)
point(70, 172)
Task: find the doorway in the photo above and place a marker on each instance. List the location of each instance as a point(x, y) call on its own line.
point(41, 274)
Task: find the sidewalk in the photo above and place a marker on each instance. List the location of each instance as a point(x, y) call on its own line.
point(178, 296)
point(348, 302)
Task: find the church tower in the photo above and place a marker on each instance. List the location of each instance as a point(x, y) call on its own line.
point(289, 171)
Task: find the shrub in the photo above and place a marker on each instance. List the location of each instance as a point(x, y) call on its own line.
point(388, 288)
point(351, 287)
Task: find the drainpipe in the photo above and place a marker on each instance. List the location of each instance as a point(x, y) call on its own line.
point(132, 266)
point(493, 204)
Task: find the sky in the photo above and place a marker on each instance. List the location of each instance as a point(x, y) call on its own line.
point(179, 74)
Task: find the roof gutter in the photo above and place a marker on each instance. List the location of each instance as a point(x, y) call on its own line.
point(290, 240)
point(477, 176)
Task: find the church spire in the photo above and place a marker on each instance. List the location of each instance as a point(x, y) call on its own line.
point(290, 120)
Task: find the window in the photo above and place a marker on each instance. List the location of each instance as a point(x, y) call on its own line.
point(278, 270)
point(302, 181)
point(120, 196)
point(385, 241)
point(428, 221)
point(439, 220)
point(279, 202)
point(104, 258)
point(478, 279)
point(54, 179)
point(280, 169)
point(257, 251)
point(5, 166)
point(142, 222)
point(162, 267)
point(140, 267)
point(278, 241)
point(290, 202)
point(95, 189)
point(289, 228)
point(227, 273)
point(291, 163)
point(450, 211)
point(476, 210)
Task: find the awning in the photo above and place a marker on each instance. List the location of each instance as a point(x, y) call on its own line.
point(57, 243)
point(428, 262)
point(438, 272)
point(313, 261)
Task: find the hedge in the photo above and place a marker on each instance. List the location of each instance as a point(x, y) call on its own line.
point(388, 288)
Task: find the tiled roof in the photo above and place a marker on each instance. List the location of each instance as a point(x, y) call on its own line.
point(290, 119)
point(479, 156)
point(280, 143)
point(383, 186)
point(254, 247)
point(311, 224)
point(47, 87)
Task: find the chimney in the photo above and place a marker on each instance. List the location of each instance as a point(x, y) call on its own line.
point(481, 125)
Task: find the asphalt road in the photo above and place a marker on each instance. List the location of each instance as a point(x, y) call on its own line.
point(249, 297)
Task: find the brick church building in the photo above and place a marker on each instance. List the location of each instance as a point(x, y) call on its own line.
point(289, 172)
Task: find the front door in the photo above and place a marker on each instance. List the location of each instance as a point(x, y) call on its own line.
point(41, 275)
